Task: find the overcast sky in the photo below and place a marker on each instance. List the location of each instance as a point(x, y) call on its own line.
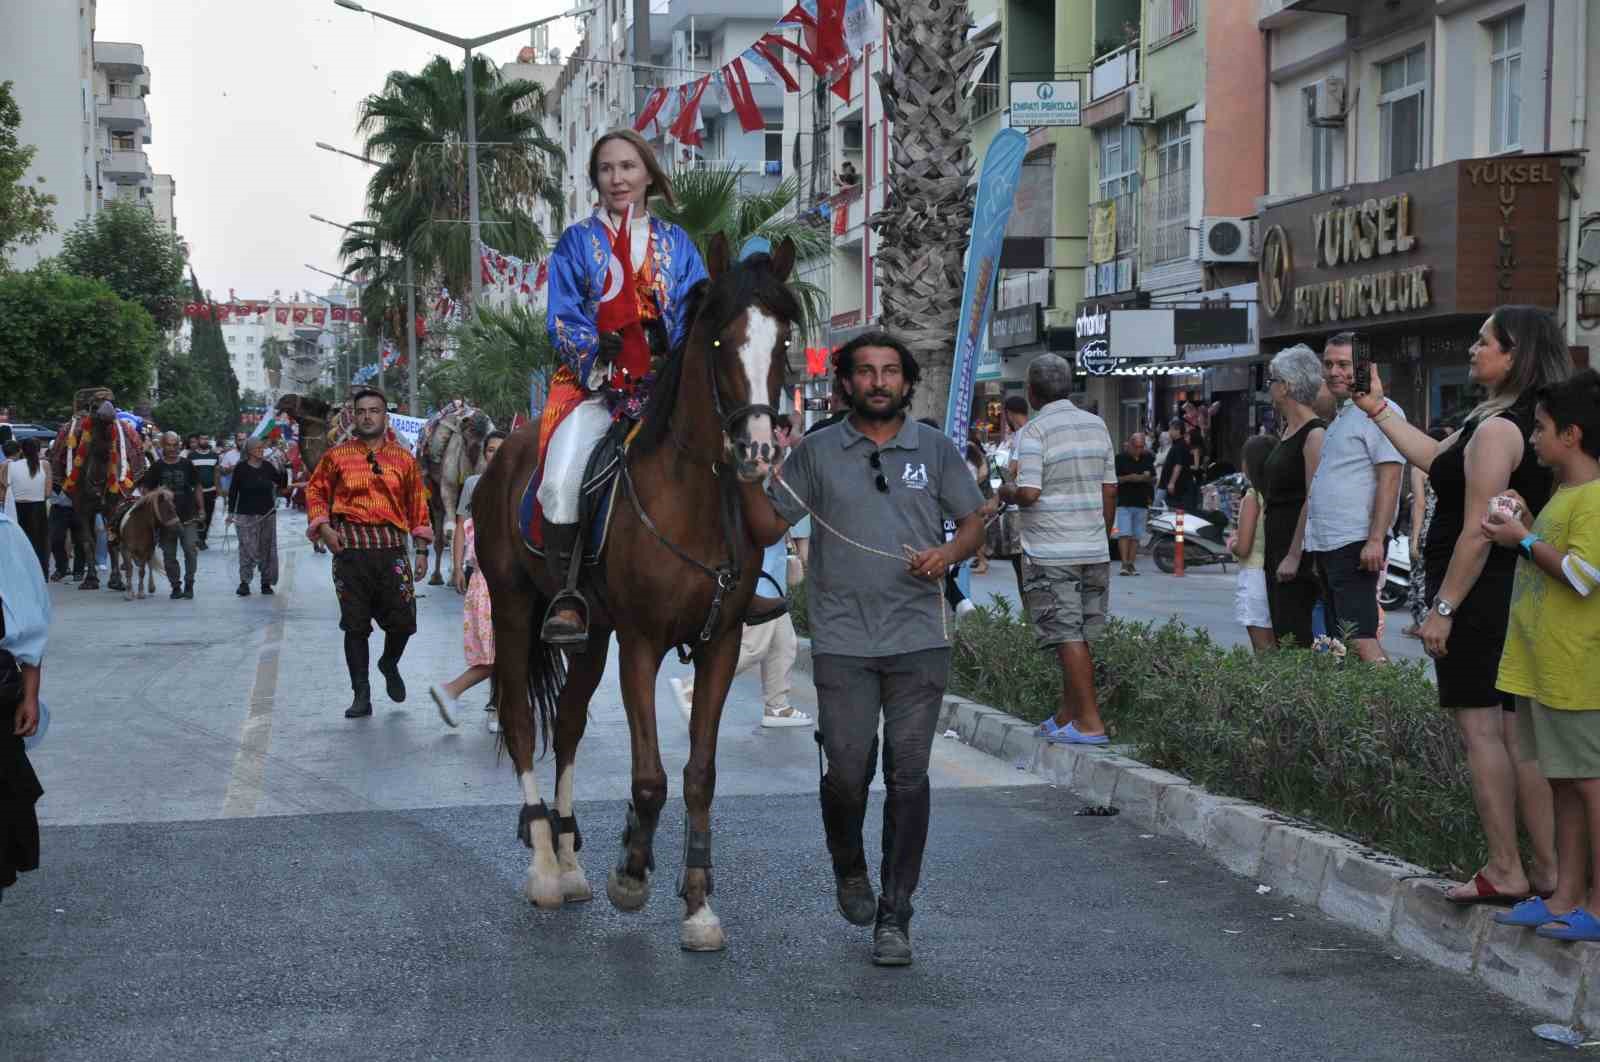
point(241, 90)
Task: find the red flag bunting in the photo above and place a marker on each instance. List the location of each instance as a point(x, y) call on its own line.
point(319, 315)
point(339, 314)
point(282, 314)
point(686, 127)
point(299, 315)
point(743, 97)
point(357, 317)
point(816, 361)
point(652, 109)
point(774, 60)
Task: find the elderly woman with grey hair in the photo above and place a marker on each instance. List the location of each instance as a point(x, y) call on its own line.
point(1294, 378)
point(253, 511)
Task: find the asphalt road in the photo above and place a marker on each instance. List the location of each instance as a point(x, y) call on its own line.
point(231, 869)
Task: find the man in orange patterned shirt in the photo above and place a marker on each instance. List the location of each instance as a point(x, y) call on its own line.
point(363, 500)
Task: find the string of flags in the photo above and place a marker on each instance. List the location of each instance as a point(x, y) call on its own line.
point(833, 36)
point(389, 357)
point(317, 316)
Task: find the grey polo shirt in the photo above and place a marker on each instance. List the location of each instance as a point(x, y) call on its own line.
point(862, 604)
point(1342, 491)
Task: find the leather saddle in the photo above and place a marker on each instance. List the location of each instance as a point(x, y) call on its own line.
point(600, 479)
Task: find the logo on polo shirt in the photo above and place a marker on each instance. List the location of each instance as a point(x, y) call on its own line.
point(915, 477)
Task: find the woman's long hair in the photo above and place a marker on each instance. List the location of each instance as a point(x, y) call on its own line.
point(660, 183)
point(1539, 356)
point(30, 453)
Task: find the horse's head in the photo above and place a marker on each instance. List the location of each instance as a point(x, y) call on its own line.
point(744, 325)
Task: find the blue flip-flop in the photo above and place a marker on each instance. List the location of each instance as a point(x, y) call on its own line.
point(1529, 914)
point(1071, 735)
point(1576, 924)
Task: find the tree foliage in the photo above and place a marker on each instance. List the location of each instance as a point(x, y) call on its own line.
point(124, 245)
point(24, 210)
point(497, 356)
point(208, 358)
point(60, 332)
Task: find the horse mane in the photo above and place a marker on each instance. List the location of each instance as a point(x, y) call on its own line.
point(750, 282)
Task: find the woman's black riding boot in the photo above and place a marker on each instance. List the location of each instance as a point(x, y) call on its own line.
point(842, 816)
point(356, 658)
point(905, 836)
point(566, 621)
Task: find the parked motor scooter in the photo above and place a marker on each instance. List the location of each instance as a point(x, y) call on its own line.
point(1202, 539)
point(1396, 587)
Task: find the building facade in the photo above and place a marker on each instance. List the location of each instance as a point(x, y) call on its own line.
point(1426, 164)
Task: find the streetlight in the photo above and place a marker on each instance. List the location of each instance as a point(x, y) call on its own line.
point(411, 292)
point(358, 285)
point(467, 44)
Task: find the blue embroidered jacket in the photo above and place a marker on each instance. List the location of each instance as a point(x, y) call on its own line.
point(578, 269)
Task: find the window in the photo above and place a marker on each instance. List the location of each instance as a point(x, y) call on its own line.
point(125, 90)
point(1119, 160)
point(986, 92)
point(1505, 78)
point(123, 142)
point(1401, 114)
point(1167, 195)
point(1324, 148)
point(774, 135)
point(1170, 17)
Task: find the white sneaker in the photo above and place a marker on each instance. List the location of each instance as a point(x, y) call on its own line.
point(449, 707)
point(494, 721)
point(789, 717)
point(684, 692)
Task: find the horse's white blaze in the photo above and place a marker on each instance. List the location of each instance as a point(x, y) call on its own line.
point(761, 335)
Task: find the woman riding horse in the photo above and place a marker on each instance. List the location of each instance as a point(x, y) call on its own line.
point(600, 378)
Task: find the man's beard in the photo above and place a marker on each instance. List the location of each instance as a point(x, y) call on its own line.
point(361, 433)
point(858, 406)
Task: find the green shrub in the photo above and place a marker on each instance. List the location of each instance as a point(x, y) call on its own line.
point(1364, 751)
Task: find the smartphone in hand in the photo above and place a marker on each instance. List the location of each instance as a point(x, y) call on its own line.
point(1363, 373)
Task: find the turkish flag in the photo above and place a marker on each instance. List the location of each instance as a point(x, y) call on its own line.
point(356, 317)
point(686, 127)
point(816, 361)
point(319, 315)
point(299, 315)
point(744, 100)
point(652, 109)
point(619, 309)
point(224, 312)
point(544, 274)
point(282, 314)
point(339, 314)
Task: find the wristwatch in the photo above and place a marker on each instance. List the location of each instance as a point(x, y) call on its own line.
point(1444, 608)
point(1525, 547)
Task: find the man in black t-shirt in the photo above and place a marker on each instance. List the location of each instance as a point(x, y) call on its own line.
point(178, 475)
point(1136, 485)
point(1177, 475)
point(204, 459)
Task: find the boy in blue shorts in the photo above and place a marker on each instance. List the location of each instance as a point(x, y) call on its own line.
point(1551, 661)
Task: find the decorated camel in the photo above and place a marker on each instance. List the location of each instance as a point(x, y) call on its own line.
point(98, 461)
point(449, 449)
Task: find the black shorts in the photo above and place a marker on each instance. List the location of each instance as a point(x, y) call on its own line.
point(374, 586)
point(1349, 594)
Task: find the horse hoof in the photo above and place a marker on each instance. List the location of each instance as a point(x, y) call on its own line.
point(702, 931)
point(544, 893)
point(435, 580)
point(627, 893)
point(575, 887)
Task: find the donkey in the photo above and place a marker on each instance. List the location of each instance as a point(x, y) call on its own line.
point(139, 531)
point(678, 569)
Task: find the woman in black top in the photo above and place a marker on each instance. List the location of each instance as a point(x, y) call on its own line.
point(1519, 350)
point(1294, 379)
point(253, 510)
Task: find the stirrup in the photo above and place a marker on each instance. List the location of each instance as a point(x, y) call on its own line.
point(555, 632)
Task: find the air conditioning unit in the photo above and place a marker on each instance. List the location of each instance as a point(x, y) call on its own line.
point(1227, 240)
point(1139, 109)
point(1327, 106)
point(701, 49)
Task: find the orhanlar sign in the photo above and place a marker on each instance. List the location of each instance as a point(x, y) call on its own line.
point(1036, 103)
point(1461, 238)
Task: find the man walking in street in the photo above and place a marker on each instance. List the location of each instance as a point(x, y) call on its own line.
point(1177, 470)
point(364, 498)
point(1067, 490)
point(1351, 506)
point(1136, 480)
point(878, 486)
point(179, 476)
point(204, 459)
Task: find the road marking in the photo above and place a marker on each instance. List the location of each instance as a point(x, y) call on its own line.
point(250, 761)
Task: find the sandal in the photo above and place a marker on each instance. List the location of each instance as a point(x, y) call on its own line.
point(1529, 914)
point(1483, 891)
point(790, 716)
point(1576, 924)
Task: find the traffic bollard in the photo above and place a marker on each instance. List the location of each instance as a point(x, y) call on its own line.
point(1177, 563)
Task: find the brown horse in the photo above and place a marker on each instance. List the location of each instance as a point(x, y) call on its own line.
point(678, 569)
point(137, 533)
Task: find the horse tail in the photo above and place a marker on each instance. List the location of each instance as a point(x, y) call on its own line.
point(547, 676)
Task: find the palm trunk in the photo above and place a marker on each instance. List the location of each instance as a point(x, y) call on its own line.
point(926, 220)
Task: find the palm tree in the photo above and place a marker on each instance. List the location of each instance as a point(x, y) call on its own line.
point(497, 353)
point(711, 201)
point(417, 197)
point(926, 219)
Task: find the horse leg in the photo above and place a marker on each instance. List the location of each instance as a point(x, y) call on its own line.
point(83, 532)
point(149, 568)
point(628, 885)
point(513, 660)
point(437, 517)
point(114, 554)
point(713, 674)
point(573, 717)
point(131, 588)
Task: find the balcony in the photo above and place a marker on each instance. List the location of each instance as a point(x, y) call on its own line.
point(124, 112)
point(119, 59)
point(849, 215)
point(127, 167)
point(1166, 214)
point(1114, 71)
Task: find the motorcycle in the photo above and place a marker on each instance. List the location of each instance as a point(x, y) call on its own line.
point(1202, 539)
point(1396, 587)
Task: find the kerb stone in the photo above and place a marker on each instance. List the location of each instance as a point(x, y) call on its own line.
point(1362, 891)
point(1538, 973)
point(1140, 790)
point(1294, 860)
point(1427, 924)
point(1236, 834)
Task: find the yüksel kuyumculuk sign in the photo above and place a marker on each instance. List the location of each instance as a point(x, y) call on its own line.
point(1035, 103)
point(997, 191)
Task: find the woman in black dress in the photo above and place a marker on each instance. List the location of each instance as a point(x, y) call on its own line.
point(1519, 350)
point(1294, 379)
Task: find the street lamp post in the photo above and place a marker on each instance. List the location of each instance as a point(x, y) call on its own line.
point(412, 403)
point(467, 44)
point(358, 285)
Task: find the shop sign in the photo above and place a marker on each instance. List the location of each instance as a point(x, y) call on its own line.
point(991, 366)
point(1016, 327)
point(1036, 103)
point(1096, 359)
point(1093, 323)
point(1460, 238)
point(1103, 231)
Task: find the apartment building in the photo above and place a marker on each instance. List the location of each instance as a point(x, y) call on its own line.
point(1426, 163)
point(1175, 103)
point(166, 191)
point(123, 127)
point(47, 52)
point(538, 64)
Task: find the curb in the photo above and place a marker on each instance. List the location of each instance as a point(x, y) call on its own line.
point(1349, 882)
